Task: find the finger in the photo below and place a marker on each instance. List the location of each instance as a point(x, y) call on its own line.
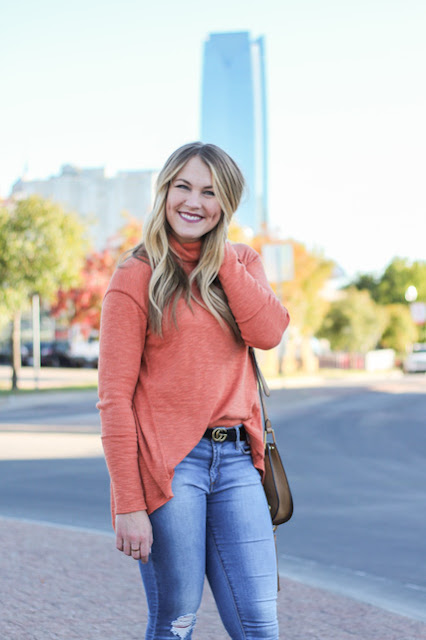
point(119, 543)
point(145, 551)
point(136, 553)
point(126, 548)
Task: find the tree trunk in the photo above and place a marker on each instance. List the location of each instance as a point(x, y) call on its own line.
point(309, 359)
point(16, 349)
point(290, 364)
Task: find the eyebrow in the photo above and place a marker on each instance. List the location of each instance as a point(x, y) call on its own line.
point(187, 182)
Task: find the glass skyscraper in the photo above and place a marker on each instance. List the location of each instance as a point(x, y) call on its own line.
point(233, 113)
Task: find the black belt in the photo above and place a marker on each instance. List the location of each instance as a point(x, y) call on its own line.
point(220, 434)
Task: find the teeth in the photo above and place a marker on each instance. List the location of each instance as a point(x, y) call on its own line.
point(188, 216)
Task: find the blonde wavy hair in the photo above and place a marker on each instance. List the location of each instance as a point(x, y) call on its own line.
point(169, 281)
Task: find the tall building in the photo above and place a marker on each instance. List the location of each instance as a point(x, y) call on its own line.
point(100, 200)
point(233, 113)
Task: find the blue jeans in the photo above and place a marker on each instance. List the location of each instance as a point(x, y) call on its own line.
point(217, 524)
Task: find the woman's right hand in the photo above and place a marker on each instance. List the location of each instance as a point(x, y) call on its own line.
point(134, 534)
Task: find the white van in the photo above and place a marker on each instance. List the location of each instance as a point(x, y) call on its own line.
point(415, 362)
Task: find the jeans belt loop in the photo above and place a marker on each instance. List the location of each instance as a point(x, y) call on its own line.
point(238, 439)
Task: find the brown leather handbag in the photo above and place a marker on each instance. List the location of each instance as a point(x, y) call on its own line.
point(275, 483)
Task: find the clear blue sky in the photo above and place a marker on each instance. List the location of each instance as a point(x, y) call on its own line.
point(117, 84)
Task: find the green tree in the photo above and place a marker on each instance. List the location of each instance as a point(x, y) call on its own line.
point(354, 323)
point(390, 288)
point(41, 249)
point(396, 279)
point(400, 331)
point(366, 282)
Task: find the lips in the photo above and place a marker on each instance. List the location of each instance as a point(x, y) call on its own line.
point(190, 217)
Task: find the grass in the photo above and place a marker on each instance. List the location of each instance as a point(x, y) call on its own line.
point(50, 380)
point(4, 391)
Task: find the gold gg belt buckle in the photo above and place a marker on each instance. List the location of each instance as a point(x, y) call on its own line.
point(219, 434)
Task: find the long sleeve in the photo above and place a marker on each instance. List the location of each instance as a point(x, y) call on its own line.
point(122, 338)
point(259, 314)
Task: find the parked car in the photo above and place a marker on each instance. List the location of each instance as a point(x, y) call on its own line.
point(6, 353)
point(52, 354)
point(84, 354)
point(56, 353)
point(415, 362)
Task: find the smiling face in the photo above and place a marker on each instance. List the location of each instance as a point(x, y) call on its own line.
point(192, 209)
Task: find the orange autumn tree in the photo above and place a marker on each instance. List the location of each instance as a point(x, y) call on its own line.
point(127, 237)
point(303, 293)
point(238, 233)
point(302, 296)
point(83, 303)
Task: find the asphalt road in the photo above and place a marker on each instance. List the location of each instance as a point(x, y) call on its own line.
point(355, 456)
point(354, 453)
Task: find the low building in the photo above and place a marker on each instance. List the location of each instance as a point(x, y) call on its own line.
point(99, 199)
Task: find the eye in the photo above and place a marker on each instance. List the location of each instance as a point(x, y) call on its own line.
point(209, 193)
point(181, 186)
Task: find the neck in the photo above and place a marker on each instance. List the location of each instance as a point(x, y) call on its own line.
point(187, 251)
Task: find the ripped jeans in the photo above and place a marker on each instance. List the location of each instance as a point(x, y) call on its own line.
point(217, 524)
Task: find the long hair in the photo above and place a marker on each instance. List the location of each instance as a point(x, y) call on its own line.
point(169, 281)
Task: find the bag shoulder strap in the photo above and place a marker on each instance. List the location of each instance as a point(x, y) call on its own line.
point(263, 391)
point(260, 377)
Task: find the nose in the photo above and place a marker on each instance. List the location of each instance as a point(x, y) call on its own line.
point(193, 199)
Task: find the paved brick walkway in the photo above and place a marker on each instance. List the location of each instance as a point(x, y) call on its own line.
point(61, 584)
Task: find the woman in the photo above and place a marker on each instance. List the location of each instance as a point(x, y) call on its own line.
point(181, 423)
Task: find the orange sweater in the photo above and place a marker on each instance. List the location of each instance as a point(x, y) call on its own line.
point(157, 395)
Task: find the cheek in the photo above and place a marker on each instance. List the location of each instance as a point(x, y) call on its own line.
point(169, 202)
point(170, 205)
point(167, 210)
point(216, 215)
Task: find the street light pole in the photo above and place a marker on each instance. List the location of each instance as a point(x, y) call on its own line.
point(36, 338)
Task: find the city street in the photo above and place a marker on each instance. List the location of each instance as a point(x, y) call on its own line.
point(354, 452)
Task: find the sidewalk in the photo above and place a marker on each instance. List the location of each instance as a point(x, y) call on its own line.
point(60, 583)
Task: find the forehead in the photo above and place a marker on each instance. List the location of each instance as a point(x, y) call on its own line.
point(195, 171)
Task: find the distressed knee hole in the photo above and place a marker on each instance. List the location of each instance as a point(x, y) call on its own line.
point(183, 625)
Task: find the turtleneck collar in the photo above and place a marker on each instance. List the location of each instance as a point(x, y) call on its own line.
point(187, 251)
